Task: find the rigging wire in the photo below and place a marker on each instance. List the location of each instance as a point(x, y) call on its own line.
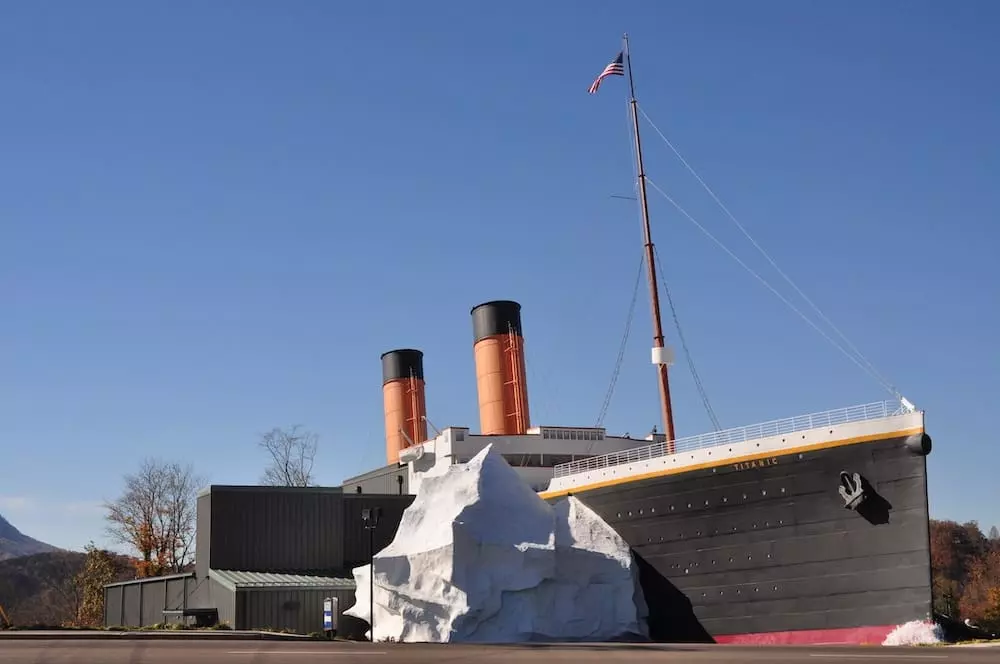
point(638, 280)
point(860, 357)
point(771, 288)
point(687, 352)
point(621, 348)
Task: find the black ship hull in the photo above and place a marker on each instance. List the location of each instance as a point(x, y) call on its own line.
point(767, 550)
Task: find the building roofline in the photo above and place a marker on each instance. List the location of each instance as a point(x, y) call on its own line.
point(150, 579)
point(247, 488)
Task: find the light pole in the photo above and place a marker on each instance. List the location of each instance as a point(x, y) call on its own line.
point(370, 518)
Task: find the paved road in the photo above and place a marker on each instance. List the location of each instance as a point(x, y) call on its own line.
point(271, 652)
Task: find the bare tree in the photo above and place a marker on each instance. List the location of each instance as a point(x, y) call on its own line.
point(994, 534)
point(155, 515)
point(292, 455)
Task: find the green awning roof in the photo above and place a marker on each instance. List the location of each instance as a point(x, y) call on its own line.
point(235, 580)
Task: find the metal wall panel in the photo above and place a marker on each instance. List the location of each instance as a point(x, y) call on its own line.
point(300, 610)
point(276, 529)
point(154, 595)
point(132, 604)
point(141, 602)
point(304, 531)
point(224, 600)
point(210, 594)
point(113, 606)
point(203, 535)
point(175, 598)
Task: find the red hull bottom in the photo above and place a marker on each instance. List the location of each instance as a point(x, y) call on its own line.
point(845, 636)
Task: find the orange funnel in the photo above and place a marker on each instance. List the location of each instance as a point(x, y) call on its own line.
point(500, 370)
point(403, 399)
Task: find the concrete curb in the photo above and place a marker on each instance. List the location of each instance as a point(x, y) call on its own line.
point(158, 635)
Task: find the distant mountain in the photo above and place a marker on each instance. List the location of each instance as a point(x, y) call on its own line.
point(14, 544)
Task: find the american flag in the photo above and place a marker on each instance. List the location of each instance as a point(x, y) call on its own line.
point(614, 68)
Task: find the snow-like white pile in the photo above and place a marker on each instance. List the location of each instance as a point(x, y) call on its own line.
point(479, 557)
point(915, 633)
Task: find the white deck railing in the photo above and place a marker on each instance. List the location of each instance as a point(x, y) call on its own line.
point(868, 411)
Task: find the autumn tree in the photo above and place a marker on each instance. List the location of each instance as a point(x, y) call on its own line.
point(155, 516)
point(981, 596)
point(99, 569)
point(292, 454)
point(954, 547)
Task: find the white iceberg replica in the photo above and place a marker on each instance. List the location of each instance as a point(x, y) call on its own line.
point(479, 557)
point(915, 633)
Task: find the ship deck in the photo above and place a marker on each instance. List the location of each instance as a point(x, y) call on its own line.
point(841, 426)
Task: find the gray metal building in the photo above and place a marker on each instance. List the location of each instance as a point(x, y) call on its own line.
point(391, 480)
point(266, 557)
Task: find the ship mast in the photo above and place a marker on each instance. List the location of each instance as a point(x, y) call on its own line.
point(659, 352)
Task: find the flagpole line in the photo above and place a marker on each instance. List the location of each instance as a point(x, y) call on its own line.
point(663, 380)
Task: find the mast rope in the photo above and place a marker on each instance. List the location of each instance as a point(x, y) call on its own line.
point(621, 348)
point(687, 352)
point(771, 288)
point(858, 357)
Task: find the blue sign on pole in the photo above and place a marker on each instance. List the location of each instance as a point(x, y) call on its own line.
point(328, 614)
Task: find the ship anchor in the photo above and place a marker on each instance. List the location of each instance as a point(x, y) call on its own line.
point(852, 490)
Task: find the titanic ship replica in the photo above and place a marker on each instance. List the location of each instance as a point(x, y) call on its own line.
point(811, 529)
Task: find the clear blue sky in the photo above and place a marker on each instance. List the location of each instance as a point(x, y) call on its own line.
point(214, 216)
